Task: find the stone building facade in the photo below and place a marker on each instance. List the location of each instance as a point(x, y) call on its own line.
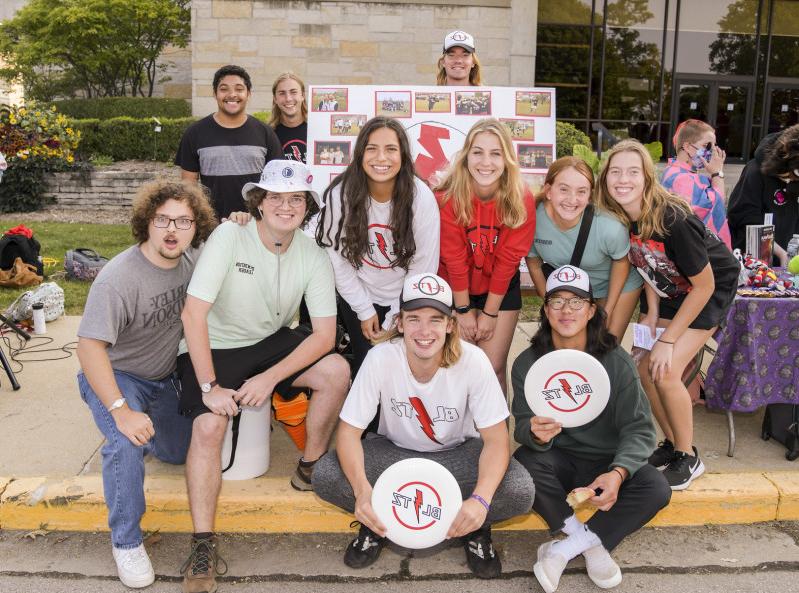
point(361, 42)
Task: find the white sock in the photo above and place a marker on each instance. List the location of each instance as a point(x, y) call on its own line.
point(577, 542)
point(572, 525)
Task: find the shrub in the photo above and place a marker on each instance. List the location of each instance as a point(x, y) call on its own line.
point(109, 107)
point(567, 137)
point(34, 140)
point(262, 116)
point(127, 138)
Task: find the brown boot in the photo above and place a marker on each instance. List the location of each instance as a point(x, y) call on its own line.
point(202, 566)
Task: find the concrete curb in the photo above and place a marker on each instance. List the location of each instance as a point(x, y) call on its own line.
point(269, 505)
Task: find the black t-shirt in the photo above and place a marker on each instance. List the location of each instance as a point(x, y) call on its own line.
point(666, 262)
point(227, 158)
point(293, 140)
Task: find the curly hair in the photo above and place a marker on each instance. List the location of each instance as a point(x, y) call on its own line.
point(153, 195)
point(231, 70)
point(782, 158)
point(351, 238)
point(274, 118)
point(254, 198)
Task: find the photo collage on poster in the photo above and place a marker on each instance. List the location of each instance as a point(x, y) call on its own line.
point(436, 119)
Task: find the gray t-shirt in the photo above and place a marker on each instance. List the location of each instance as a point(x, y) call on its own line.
point(135, 306)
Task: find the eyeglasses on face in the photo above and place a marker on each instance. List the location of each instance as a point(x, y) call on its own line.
point(575, 303)
point(277, 200)
point(163, 222)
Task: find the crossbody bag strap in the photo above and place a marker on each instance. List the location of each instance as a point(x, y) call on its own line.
point(582, 236)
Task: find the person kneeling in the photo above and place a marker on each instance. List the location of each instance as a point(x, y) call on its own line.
point(422, 366)
point(609, 455)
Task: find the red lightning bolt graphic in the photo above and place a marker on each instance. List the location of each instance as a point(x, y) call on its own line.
point(417, 503)
point(296, 151)
point(424, 418)
point(567, 389)
point(430, 139)
point(381, 245)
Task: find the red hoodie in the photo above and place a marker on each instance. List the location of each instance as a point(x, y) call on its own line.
point(483, 256)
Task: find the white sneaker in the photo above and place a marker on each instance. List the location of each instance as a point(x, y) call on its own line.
point(601, 567)
point(549, 567)
point(133, 567)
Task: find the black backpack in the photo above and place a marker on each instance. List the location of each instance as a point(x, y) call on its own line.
point(14, 246)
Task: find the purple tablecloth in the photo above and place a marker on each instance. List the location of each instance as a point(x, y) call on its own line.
point(757, 362)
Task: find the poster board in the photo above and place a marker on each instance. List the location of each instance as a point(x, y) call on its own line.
point(436, 118)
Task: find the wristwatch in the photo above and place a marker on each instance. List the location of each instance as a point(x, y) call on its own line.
point(720, 175)
point(207, 387)
point(117, 404)
point(464, 309)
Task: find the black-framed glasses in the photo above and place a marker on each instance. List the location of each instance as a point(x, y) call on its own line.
point(163, 222)
point(575, 303)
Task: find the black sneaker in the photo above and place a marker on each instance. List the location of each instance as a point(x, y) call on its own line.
point(365, 549)
point(301, 480)
point(683, 469)
point(481, 557)
point(661, 456)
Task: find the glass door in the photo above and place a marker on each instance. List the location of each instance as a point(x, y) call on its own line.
point(782, 106)
point(730, 119)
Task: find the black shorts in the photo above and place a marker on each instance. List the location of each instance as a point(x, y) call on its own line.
point(511, 302)
point(713, 314)
point(233, 366)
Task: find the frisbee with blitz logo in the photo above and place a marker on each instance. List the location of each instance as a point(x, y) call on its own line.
point(417, 500)
point(569, 386)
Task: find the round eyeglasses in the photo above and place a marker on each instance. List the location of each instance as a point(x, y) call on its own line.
point(575, 303)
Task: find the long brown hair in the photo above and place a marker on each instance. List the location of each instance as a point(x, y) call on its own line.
point(351, 238)
point(475, 74)
point(274, 119)
point(457, 185)
point(560, 165)
point(656, 199)
point(452, 342)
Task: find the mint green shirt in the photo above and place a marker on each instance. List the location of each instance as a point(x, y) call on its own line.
point(239, 275)
point(609, 239)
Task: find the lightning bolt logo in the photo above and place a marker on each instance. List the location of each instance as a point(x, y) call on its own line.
point(417, 503)
point(295, 151)
point(382, 246)
point(424, 418)
point(430, 138)
point(567, 389)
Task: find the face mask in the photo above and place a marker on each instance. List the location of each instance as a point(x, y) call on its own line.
point(696, 160)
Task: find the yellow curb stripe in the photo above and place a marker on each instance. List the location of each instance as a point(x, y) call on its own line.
point(269, 505)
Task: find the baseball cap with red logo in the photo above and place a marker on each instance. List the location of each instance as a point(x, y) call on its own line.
point(426, 290)
point(459, 39)
point(570, 278)
point(284, 176)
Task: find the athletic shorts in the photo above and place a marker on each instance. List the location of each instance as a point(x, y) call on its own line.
point(713, 314)
point(511, 302)
point(233, 366)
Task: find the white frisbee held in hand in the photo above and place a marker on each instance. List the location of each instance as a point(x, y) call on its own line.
point(569, 386)
point(417, 500)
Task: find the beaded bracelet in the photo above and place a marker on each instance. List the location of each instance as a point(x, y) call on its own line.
point(481, 500)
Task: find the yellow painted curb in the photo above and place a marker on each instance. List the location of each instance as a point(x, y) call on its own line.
point(787, 484)
point(270, 505)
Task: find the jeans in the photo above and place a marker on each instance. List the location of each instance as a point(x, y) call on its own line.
point(123, 462)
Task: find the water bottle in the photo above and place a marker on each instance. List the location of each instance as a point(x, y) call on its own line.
point(39, 326)
point(793, 247)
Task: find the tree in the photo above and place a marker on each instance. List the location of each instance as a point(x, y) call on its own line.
point(100, 47)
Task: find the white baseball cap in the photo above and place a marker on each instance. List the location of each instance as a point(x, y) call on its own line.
point(284, 176)
point(426, 290)
point(459, 39)
point(570, 278)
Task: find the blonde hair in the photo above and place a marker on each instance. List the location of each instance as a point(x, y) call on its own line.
point(457, 185)
point(560, 165)
point(452, 342)
point(690, 131)
point(274, 119)
point(656, 199)
point(475, 74)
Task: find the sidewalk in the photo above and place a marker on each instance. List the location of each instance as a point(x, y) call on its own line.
point(50, 468)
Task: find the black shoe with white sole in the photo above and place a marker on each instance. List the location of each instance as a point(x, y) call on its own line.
point(365, 549)
point(661, 456)
point(481, 557)
point(683, 469)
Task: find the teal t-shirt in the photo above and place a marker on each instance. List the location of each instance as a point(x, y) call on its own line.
point(609, 239)
point(239, 275)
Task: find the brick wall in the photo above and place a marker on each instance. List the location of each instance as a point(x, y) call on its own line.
point(366, 42)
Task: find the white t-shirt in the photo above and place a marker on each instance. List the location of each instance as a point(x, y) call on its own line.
point(433, 416)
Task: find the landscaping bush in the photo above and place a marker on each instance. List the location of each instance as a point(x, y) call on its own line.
point(567, 137)
point(110, 107)
point(127, 138)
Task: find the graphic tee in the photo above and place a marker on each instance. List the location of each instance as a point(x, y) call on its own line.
point(293, 140)
point(433, 416)
point(135, 306)
point(227, 158)
point(666, 263)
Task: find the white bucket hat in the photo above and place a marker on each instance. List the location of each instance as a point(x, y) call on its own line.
point(284, 176)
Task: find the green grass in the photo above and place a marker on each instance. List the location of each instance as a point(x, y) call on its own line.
point(531, 308)
point(58, 237)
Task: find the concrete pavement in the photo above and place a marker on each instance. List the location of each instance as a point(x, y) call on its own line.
point(50, 466)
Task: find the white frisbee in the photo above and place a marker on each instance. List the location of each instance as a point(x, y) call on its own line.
point(569, 386)
point(417, 500)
